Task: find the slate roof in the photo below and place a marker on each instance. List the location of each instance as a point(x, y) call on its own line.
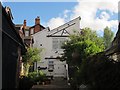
point(39, 25)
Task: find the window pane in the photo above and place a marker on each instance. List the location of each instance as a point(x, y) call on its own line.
point(50, 62)
point(61, 41)
point(58, 42)
point(55, 43)
point(26, 33)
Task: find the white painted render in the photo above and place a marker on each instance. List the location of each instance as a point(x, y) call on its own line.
point(46, 43)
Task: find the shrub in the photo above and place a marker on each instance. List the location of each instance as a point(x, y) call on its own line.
point(37, 76)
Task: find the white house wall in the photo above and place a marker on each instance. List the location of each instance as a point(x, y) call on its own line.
point(42, 41)
point(60, 69)
point(40, 38)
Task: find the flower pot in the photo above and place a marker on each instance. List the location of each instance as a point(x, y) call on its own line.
point(37, 83)
point(43, 83)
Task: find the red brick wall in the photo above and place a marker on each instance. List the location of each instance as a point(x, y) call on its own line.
point(37, 28)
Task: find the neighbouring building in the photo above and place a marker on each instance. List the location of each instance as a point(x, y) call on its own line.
point(51, 41)
point(12, 49)
point(26, 33)
point(37, 27)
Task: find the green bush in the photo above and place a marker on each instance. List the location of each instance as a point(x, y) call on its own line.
point(99, 71)
point(37, 76)
point(26, 82)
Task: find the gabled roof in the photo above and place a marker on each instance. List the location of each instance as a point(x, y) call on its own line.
point(67, 23)
point(18, 25)
point(62, 31)
point(46, 29)
point(39, 25)
point(27, 27)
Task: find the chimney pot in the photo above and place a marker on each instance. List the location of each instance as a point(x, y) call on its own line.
point(38, 17)
point(37, 20)
point(24, 24)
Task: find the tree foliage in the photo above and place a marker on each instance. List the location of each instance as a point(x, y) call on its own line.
point(77, 49)
point(32, 55)
point(108, 37)
point(85, 43)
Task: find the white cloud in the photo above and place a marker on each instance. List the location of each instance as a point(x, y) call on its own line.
point(87, 10)
point(119, 7)
point(111, 6)
point(100, 24)
point(55, 22)
point(1, 1)
point(104, 15)
point(4, 1)
point(66, 13)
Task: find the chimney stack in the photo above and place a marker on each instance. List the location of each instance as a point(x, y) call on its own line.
point(37, 20)
point(24, 24)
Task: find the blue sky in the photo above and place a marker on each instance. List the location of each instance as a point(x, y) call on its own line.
point(96, 15)
point(30, 10)
point(113, 16)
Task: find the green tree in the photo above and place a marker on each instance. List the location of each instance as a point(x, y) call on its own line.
point(108, 37)
point(100, 71)
point(78, 48)
point(32, 55)
point(85, 43)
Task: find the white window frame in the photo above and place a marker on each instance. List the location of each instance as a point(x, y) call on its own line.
point(57, 43)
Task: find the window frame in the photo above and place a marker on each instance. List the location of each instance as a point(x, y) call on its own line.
point(57, 43)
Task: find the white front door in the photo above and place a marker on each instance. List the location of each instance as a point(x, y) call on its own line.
point(59, 70)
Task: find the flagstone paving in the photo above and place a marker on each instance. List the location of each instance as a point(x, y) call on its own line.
point(56, 84)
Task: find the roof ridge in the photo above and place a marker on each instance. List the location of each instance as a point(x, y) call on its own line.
point(66, 23)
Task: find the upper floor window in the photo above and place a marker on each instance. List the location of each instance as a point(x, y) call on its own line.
point(57, 43)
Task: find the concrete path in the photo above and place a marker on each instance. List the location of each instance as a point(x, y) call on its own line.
point(56, 84)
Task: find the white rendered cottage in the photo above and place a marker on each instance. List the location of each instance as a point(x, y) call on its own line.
point(51, 41)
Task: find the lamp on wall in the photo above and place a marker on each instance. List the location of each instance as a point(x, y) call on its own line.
point(56, 51)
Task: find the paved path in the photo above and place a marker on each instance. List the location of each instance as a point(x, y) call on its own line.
point(56, 84)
